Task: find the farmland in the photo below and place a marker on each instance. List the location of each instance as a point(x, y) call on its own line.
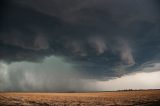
point(127, 98)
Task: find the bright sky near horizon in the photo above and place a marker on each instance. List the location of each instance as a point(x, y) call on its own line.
point(149, 80)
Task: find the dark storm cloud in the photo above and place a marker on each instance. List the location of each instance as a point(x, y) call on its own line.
point(101, 36)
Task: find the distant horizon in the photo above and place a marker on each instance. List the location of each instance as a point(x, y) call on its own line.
point(76, 91)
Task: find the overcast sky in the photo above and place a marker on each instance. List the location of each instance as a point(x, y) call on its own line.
point(79, 45)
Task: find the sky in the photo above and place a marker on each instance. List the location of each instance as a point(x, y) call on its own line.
point(79, 45)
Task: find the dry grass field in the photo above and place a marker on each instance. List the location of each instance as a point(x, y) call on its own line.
point(122, 98)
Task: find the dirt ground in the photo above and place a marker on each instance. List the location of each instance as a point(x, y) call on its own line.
point(121, 98)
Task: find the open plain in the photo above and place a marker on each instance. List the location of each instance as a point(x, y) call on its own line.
point(118, 98)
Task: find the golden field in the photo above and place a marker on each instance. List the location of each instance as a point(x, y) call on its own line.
point(121, 98)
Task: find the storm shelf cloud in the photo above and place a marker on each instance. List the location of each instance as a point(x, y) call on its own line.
point(97, 39)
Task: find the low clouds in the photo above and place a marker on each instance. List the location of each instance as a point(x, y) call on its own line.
point(55, 74)
point(99, 44)
point(52, 74)
point(104, 39)
point(3, 76)
point(125, 52)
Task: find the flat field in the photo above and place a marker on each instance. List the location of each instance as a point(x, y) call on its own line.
point(121, 98)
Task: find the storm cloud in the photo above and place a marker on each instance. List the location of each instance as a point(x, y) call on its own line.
point(53, 74)
point(101, 39)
